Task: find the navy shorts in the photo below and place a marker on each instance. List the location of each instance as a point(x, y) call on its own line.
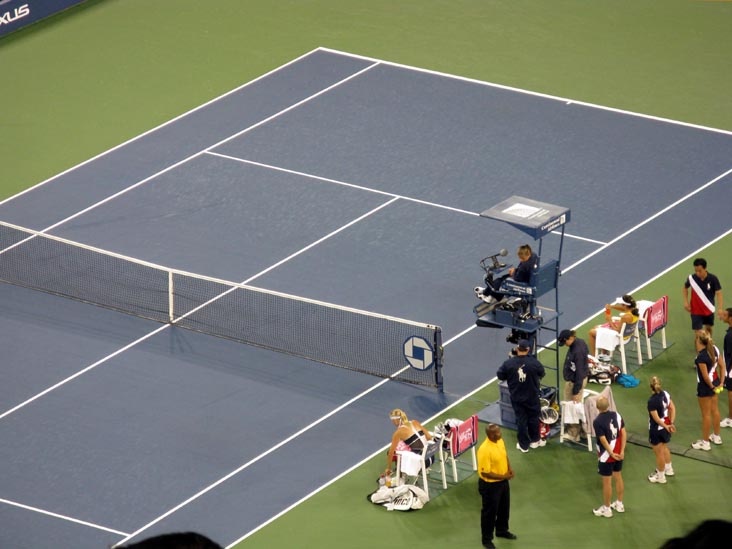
point(699, 321)
point(728, 382)
point(656, 436)
point(703, 390)
point(606, 469)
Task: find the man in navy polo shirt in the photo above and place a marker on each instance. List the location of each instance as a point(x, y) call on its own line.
point(705, 288)
point(611, 437)
point(523, 374)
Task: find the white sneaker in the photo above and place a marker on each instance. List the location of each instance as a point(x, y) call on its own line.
point(538, 444)
point(716, 439)
point(726, 422)
point(603, 511)
point(518, 447)
point(669, 471)
point(657, 478)
point(701, 445)
point(618, 506)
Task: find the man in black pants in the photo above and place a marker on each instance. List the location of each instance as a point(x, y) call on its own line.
point(523, 374)
point(494, 472)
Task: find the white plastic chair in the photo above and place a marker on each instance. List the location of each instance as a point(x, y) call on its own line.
point(432, 449)
point(608, 339)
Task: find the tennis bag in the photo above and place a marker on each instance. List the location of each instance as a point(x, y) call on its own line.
point(604, 374)
point(399, 498)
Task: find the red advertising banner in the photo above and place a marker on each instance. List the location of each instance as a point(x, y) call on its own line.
point(657, 316)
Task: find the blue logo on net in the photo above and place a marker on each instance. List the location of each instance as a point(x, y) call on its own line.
point(418, 353)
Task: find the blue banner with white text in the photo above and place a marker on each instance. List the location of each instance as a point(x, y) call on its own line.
point(15, 14)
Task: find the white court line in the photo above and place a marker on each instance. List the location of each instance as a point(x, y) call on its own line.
point(80, 372)
point(180, 162)
point(254, 460)
point(369, 189)
point(467, 330)
point(631, 230)
point(457, 402)
point(565, 100)
point(649, 219)
point(293, 106)
point(172, 120)
point(62, 517)
point(337, 182)
point(599, 242)
point(659, 275)
point(166, 326)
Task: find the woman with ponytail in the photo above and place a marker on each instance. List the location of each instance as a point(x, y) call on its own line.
point(410, 433)
point(628, 310)
point(707, 381)
point(661, 417)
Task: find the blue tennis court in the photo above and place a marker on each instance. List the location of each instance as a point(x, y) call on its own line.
point(334, 178)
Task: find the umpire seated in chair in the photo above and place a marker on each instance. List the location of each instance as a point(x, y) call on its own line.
point(493, 294)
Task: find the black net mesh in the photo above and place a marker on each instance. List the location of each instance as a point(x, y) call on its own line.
point(325, 333)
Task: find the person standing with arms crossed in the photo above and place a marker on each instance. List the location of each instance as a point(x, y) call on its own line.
point(611, 438)
point(523, 374)
point(494, 472)
point(705, 288)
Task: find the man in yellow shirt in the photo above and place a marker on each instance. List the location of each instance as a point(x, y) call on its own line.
point(494, 472)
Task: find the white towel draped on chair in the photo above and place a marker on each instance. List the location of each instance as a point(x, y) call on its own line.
point(607, 339)
point(411, 463)
point(573, 412)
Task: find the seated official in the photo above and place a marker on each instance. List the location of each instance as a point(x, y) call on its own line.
point(628, 315)
point(528, 264)
point(410, 433)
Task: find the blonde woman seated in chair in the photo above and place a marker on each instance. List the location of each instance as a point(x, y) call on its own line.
point(410, 433)
point(628, 310)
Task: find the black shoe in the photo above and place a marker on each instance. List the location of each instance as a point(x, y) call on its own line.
point(507, 535)
point(489, 545)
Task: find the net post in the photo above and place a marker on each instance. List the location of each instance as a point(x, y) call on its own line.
point(438, 358)
point(171, 299)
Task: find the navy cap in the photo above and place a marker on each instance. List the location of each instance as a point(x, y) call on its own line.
point(524, 344)
point(564, 335)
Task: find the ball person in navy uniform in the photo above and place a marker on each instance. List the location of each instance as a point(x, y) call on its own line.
point(611, 438)
point(661, 417)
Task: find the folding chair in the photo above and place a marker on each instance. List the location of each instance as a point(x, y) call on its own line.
point(432, 449)
point(608, 339)
point(461, 439)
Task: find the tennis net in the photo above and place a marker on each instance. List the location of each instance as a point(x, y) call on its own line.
point(349, 338)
